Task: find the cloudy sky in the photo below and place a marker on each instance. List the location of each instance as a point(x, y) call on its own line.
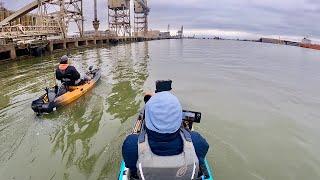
point(228, 18)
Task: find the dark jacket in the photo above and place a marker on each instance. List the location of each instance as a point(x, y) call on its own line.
point(67, 74)
point(165, 144)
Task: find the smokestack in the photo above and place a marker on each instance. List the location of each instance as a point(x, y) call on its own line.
point(95, 10)
point(96, 22)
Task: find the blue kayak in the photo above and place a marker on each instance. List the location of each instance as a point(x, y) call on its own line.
point(188, 122)
point(123, 173)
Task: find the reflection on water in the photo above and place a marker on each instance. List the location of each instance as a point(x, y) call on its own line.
point(83, 139)
point(73, 140)
point(129, 76)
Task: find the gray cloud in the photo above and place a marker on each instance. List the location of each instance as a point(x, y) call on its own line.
point(293, 18)
point(261, 17)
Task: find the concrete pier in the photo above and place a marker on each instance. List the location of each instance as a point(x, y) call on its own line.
point(9, 51)
point(13, 54)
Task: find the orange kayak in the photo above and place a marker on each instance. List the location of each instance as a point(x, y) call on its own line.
point(52, 99)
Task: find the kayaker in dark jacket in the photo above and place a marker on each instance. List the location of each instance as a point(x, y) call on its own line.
point(163, 117)
point(66, 73)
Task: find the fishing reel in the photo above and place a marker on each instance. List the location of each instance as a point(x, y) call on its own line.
point(90, 68)
point(91, 73)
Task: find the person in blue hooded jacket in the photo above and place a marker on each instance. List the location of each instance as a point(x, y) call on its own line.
point(163, 118)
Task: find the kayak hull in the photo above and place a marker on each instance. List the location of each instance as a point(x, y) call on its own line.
point(124, 172)
point(43, 105)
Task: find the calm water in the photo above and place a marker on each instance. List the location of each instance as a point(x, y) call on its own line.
point(260, 105)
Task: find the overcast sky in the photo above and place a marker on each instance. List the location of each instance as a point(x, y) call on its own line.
point(228, 18)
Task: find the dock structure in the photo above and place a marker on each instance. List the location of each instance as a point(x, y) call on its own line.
point(46, 30)
point(13, 51)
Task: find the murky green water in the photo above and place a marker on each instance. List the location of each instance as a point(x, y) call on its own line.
point(82, 140)
point(260, 105)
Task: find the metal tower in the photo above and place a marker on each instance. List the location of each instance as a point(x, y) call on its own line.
point(141, 12)
point(119, 17)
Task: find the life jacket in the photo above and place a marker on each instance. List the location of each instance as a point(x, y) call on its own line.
point(62, 69)
point(184, 166)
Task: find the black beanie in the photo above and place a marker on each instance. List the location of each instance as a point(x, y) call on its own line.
point(163, 85)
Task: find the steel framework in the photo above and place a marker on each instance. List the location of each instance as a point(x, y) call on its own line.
point(53, 17)
point(119, 18)
point(69, 11)
point(141, 12)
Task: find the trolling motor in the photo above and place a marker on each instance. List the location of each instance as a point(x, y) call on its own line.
point(45, 104)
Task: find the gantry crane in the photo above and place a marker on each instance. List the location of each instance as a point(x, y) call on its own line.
point(120, 20)
point(119, 17)
point(141, 12)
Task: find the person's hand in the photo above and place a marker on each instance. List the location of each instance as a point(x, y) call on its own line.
point(147, 96)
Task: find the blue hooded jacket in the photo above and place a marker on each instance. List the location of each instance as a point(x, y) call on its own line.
point(163, 117)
